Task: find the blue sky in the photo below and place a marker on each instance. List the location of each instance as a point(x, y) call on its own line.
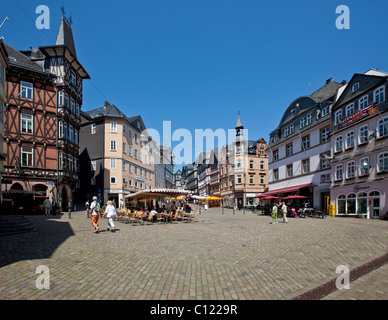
point(197, 62)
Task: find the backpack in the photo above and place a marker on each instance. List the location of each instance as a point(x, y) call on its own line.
point(97, 207)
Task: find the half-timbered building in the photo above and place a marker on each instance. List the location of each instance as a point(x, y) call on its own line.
point(42, 118)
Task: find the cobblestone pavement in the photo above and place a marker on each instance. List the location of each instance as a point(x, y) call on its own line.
point(222, 256)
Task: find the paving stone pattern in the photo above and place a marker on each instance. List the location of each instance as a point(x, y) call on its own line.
point(221, 256)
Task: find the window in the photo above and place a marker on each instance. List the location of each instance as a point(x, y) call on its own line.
point(238, 149)
point(275, 155)
point(302, 123)
point(338, 172)
point(341, 204)
point(309, 119)
point(262, 151)
point(113, 163)
point(289, 149)
point(93, 165)
point(124, 129)
point(73, 79)
point(1, 110)
point(136, 155)
point(71, 133)
point(363, 102)
point(251, 180)
point(66, 100)
point(289, 170)
point(306, 165)
point(27, 157)
point(251, 164)
point(350, 170)
point(382, 127)
point(2, 72)
point(349, 110)
point(275, 174)
point(261, 179)
point(65, 135)
point(349, 143)
point(239, 181)
point(77, 110)
point(60, 98)
point(129, 133)
point(363, 133)
point(351, 204)
point(130, 150)
point(356, 86)
point(113, 180)
point(93, 128)
point(338, 147)
point(363, 166)
point(379, 95)
point(325, 111)
point(337, 116)
point(113, 145)
point(124, 147)
point(70, 162)
point(113, 127)
point(27, 123)
point(305, 143)
point(362, 201)
point(72, 105)
point(286, 132)
point(382, 162)
point(325, 163)
point(136, 137)
point(325, 134)
point(93, 181)
point(261, 165)
point(26, 90)
point(239, 163)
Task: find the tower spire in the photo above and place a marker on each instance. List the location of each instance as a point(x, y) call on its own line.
point(239, 125)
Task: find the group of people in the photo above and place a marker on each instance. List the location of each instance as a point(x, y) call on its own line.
point(94, 210)
point(281, 207)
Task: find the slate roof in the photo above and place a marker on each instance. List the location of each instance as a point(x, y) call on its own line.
point(18, 59)
point(65, 37)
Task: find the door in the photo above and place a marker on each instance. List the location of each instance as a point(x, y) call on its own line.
point(374, 204)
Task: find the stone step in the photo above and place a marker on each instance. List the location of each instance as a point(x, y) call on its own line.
point(14, 224)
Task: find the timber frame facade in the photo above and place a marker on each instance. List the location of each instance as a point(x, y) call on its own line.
point(42, 119)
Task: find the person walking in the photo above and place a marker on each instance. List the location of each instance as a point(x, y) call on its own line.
point(95, 213)
point(275, 214)
point(87, 207)
point(47, 206)
point(69, 207)
point(110, 213)
point(284, 211)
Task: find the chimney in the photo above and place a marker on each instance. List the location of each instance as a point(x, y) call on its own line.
point(328, 80)
point(106, 103)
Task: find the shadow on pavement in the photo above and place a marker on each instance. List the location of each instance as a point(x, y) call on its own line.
point(49, 233)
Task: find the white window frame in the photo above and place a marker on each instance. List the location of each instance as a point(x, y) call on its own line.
point(349, 110)
point(337, 116)
point(338, 145)
point(379, 95)
point(29, 152)
point(349, 141)
point(112, 163)
point(93, 128)
point(113, 180)
point(339, 172)
point(113, 127)
point(27, 123)
point(383, 156)
point(363, 102)
point(361, 171)
point(351, 169)
point(382, 127)
point(26, 90)
point(362, 136)
point(113, 146)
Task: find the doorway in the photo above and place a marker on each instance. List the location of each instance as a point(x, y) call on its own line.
point(374, 204)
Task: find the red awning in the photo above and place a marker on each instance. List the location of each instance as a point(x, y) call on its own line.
point(285, 190)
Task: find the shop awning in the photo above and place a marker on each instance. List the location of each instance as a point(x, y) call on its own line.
point(158, 193)
point(284, 190)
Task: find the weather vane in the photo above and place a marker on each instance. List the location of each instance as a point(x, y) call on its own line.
point(68, 19)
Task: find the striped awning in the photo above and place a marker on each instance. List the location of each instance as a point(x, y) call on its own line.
point(159, 193)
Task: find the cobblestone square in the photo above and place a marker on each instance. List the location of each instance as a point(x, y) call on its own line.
point(219, 257)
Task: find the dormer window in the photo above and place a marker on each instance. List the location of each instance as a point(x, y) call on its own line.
point(355, 87)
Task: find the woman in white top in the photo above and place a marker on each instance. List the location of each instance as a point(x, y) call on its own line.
point(110, 213)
